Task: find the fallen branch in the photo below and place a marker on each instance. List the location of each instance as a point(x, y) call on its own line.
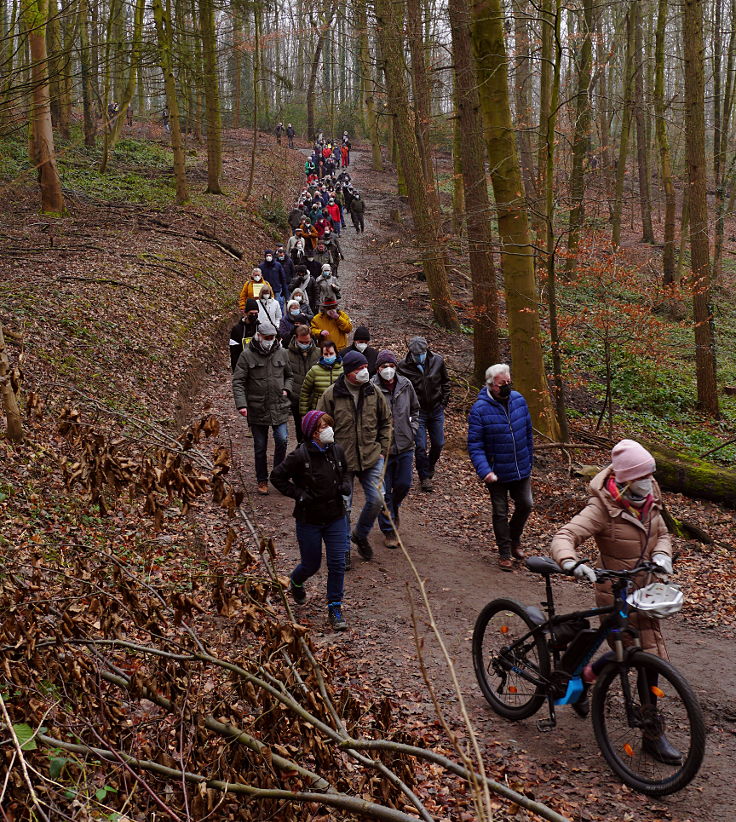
point(100, 280)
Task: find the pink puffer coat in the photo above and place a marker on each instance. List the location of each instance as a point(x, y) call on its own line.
point(623, 541)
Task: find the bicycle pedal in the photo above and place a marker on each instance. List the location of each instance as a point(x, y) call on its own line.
point(546, 725)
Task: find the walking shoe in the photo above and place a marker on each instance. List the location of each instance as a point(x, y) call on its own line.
point(334, 611)
point(662, 750)
point(505, 564)
point(391, 540)
point(348, 563)
point(426, 485)
point(364, 547)
point(263, 489)
point(298, 592)
point(582, 706)
point(517, 552)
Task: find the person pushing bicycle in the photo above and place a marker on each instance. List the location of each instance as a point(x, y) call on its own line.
point(624, 517)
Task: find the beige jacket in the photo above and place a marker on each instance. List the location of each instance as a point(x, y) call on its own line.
point(623, 541)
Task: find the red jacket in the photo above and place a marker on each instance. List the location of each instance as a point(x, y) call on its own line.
point(321, 225)
point(334, 212)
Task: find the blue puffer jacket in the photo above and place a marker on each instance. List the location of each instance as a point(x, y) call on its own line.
point(500, 440)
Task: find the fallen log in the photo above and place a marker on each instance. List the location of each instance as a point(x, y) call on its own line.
point(693, 477)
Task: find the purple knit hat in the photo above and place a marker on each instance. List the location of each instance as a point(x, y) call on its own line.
point(310, 421)
point(384, 357)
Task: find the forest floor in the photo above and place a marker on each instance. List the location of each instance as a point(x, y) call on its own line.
point(112, 306)
point(448, 536)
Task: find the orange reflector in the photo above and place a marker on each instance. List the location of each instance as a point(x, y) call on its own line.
point(657, 691)
point(504, 629)
point(512, 689)
point(628, 750)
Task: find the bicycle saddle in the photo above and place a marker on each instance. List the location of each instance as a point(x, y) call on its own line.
point(543, 565)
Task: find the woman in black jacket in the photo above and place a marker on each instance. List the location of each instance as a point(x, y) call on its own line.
point(315, 475)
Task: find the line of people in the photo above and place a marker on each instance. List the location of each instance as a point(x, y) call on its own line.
point(359, 413)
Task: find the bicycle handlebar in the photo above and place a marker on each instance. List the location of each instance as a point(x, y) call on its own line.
point(603, 574)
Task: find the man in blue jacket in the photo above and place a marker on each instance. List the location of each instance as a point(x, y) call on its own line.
point(501, 448)
point(275, 275)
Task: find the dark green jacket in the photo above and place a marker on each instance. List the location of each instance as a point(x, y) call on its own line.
point(259, 381)
point(363, 430)
point(300, 362)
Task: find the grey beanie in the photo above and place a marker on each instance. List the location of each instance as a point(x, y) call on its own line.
point(266, 328)
point(418, 345)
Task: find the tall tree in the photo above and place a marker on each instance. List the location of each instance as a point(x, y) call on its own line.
point(389, 17)
point(670, 203)
point(486, 349)
point(517, 255)
point(321, 29)
point(705, 361)
point(14, 425)
point(34, 14)
point(642, 144)
point(623, 143)
point(162, 19)
point(211, 96)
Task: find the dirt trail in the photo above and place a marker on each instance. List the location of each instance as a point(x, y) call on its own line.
point(461, 576)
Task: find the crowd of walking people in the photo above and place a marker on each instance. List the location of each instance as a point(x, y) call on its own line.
point(360, 413)
point(364, 412)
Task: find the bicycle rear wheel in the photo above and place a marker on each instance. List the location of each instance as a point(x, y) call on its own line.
point(634, 705)
point(510, 673)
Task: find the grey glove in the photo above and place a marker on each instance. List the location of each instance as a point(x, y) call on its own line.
point(665, 563)
point(582, 572)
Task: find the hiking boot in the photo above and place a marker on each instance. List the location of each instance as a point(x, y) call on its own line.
point(364, 547)
point(348, 563)
point(391, 540)
point(426, 485)
point(334, 611)
point(505, 564)
point(662, 750)
point(582, 706)
point(263, 489)
point(298, 592)
point(517, 552)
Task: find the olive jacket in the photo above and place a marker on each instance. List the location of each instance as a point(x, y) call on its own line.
point(259, 382)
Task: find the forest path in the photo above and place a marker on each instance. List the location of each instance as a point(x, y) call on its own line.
point(461, 577)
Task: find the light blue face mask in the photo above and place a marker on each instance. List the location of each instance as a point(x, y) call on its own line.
point(331, 359)
point(420, 358)
point(295, 313)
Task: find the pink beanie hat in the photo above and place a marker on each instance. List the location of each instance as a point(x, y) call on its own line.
point(631, 461)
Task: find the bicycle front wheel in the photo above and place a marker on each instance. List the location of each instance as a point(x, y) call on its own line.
point(511, 670)
point(648, 724)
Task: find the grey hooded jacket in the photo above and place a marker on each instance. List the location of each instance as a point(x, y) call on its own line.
point(404, 407)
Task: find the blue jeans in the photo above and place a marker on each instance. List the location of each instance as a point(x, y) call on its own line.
point(397, 483)
point(372, 481)
point(260, 447)
point(310, 539)
point(432, 423)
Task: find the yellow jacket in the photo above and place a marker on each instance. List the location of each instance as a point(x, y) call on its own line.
point(338, 329)
point(250, 290)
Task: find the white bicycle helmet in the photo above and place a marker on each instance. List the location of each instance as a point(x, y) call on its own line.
point(659, 599)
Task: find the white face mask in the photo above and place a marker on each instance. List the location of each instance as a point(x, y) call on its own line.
point(257, 277)
point(326, 435)
point(266, 344)
point(362, 376)
point(388, 373)
point(641, 487)
point(269, 258)
point(265, 297)
point(361, 347)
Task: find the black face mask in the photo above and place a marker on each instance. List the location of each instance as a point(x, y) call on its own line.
point(505, 391)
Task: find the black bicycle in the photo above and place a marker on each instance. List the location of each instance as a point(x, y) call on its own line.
point(647, 720)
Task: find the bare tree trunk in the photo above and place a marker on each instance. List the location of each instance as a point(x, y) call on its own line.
point(522, 87)
point(163, 30)
point(34, 14)
point(86, 75)
point(469, 124)
point(237, 18)
point(14, 425)
point(581, 138)
point(517, 257)
point(623, 146)
point(321, 30)
point(389, 15)
point(670, 204)
point(705, 364)
point(368, 86)
point(642, 149)
point(211, 96)
point(420, 88)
